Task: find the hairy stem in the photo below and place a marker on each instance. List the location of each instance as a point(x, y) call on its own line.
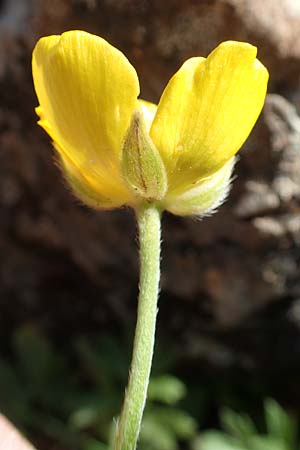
point(129, 424)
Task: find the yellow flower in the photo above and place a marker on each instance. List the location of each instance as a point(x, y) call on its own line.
point(118, 150)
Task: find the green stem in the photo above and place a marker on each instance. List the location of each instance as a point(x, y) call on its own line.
point(129, 424)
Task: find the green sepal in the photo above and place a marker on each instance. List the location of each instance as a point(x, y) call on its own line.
point(142, 166)
point(203, 198)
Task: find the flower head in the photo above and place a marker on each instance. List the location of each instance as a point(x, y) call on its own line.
point(118, 150)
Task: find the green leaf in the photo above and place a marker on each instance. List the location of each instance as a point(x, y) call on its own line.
point(280, 424)
point(167, 389)
point(216, 440)
point(238, 425)
point(92, 444)
point(52, 426)
point(266, 443)
point(156, 436)
point(176, 420)
point(14, 398)
point(37, 361)
point(104, 362)
point(84, 417)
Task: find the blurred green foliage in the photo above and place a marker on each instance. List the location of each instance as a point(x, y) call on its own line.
point(240, 433)
point(72, 396)
point(75, 399)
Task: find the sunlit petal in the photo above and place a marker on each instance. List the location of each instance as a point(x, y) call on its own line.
point(87, 92)
point(208, 110)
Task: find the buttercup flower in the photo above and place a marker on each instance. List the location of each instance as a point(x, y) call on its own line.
point(118, 150)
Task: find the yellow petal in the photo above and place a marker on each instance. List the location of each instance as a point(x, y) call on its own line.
point(87, 92)
point(88, 190)
point(149, 111)
point(208, 110)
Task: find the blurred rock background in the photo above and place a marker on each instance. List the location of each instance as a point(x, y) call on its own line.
point(230, 292)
